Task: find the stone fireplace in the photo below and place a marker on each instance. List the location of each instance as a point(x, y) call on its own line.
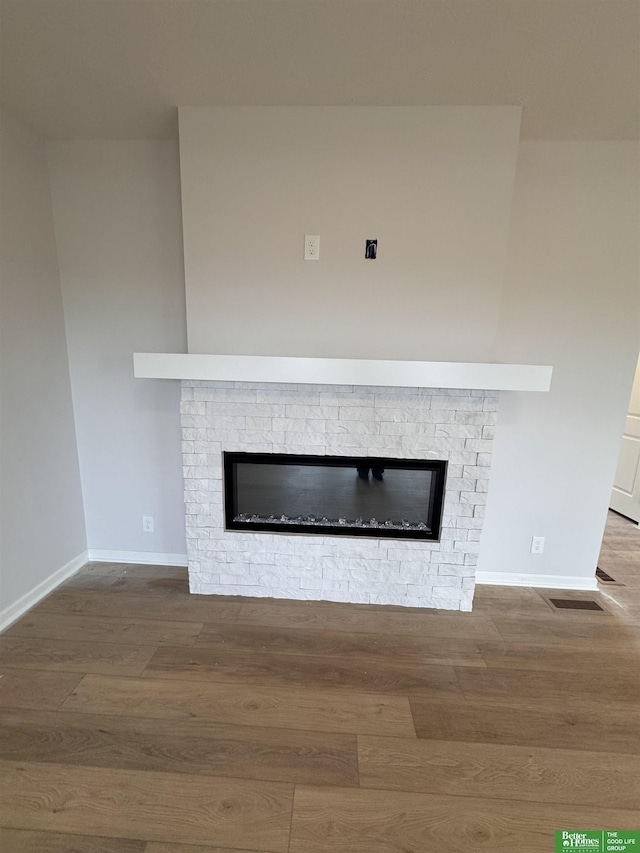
point(454, 426)
point(275, 368)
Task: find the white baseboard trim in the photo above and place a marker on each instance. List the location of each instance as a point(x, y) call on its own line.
point(148, 558)
point(538, 581)
point(29, 599)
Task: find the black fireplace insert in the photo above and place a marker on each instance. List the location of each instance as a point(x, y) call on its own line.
point(334, 495)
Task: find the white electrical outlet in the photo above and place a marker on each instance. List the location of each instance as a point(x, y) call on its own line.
point(537, 544)
point(311, 247)
point(147, 523)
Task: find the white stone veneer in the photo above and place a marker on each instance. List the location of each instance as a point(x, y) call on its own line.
point(403, 423)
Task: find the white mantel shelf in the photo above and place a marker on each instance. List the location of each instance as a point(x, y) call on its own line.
point(343, 371)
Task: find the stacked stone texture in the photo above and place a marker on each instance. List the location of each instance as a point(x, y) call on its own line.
point(404, 423)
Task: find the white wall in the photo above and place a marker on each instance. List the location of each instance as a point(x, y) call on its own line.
point(432, 184)
point(41, 517)
point(117, 218)
point(571, 300)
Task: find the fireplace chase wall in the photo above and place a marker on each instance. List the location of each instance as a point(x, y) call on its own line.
point(455, 426)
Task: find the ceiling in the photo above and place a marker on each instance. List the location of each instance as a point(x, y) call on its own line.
point(117, 69)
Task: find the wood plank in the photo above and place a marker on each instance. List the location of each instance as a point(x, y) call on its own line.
point(345, 644)
point(194, 747)
point(331, 820)
point(294, 708)
point(539, 687)
point(150, 585)
point(305, 614)
point(318, 673)
point(623, 602)
point(155, 847)
point(622, 565)
point(27, 841)
point(134, 583)
point(565, 725)
point(510, 593)
point(629, 558)
point(510, 602)
point(116, 570)
point(614, 595)
point(622, 541)
point(35, 689)
point(530, 774)
point(597, 630)
point(146, 806)
point(570, 658)
point(74, 656)
point(41, 624)
point(629, 613)
point(187, 608)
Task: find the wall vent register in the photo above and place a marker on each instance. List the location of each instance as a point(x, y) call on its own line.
point(334, 495)
point(575, 604)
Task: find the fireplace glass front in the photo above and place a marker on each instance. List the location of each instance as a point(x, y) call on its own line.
point(334, 495)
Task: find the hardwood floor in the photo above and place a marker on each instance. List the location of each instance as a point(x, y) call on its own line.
point(135, 718)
